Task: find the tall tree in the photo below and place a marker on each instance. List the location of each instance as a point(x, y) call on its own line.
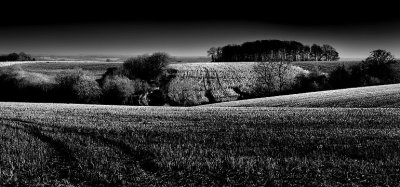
point(316, 52)
point(329, 53)
point(306, 53)
point(270, 50)
point(212, 52)
point(378, 64)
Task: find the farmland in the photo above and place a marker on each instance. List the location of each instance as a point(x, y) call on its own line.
point(372, 96)
point(98, 66)
point(219, 79)
point(324, 66)
point(94, 145)
point(52, 68)
point(330, 138)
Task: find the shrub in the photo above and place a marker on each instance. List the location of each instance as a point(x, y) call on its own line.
point(185, 93)
point(109, 73)
point(156, 98)
point(19, 85)
point(87, 90)
point(378, 65)
point(16, 57)
point(118, 90)
point(146, 67)
point(121, 90)
point(309, 82)
point(357, 76)
point(76, 86)
point(275, 78)
point(340, 78)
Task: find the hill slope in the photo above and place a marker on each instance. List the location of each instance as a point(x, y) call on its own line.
point(226, 81)
point(371, 96)
point(94, 145)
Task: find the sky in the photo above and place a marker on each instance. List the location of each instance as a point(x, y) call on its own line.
point(190, 31)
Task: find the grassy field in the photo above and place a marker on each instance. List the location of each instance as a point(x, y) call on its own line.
point(324, 66)
point(89, 145)
point(53, 68)
point(387, 96)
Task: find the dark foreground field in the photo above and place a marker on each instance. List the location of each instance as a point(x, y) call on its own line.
point(88, 145)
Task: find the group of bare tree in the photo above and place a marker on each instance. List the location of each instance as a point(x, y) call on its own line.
point(275, 50)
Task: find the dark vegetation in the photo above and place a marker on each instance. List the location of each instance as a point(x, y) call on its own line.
point(119, 85)
point(16, 57)
point(377, 69)
point(18, 85)
point(273, 50)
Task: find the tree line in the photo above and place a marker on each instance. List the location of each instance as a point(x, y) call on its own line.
point(273, 50)
point(16, 57)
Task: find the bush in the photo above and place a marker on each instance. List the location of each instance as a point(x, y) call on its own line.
point(121, 90)
point(376, 69)
point(109, 73)
point(118, 90)
point(19, 85)
point(313, 81)
point(87, 90)
point(76, 86)
point(275, 78)
point(185, 93)
point(156, 98)
point(378, 65)
point(146, 67)
point(340, 78)
point(357, 76)
point(16, 57)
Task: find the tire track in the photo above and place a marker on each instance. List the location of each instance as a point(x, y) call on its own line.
point(143, 157)
point(64, 160)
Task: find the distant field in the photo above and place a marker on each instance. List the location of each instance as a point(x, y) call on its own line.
point(89, 145)
point(118, 58)
point(4, 64)
point(99, 67)
point(324, 66)
point(52, 68)
point(371, 96)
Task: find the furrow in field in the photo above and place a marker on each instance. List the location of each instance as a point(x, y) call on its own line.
point(64, 160)
point(195, 146)
point(144, 158)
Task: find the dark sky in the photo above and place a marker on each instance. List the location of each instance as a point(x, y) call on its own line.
point(189, 29)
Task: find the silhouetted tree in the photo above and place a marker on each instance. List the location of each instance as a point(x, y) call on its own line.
point(212, 52)
point(339, 78)
point(316, 52)
point(270, 50)
point(146, 67)
point(16, 57)
point(378, 65)
point(329, 53)
point(306, 53)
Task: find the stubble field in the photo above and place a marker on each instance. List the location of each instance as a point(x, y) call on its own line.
point(93, 145)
